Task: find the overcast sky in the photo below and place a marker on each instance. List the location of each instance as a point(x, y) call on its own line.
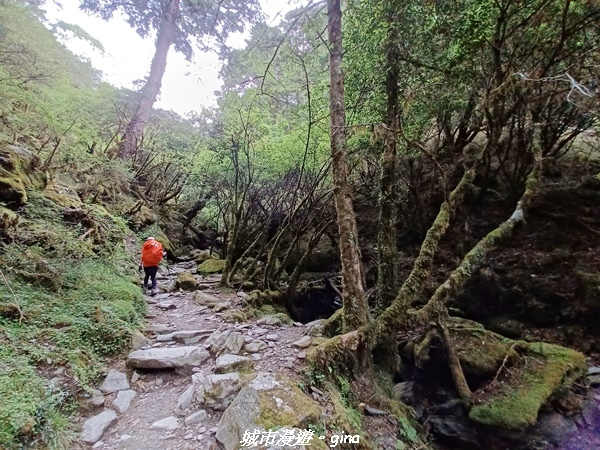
point(126, 58)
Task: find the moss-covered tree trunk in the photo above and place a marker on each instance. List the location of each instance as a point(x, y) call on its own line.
point(355, 303)
point(260, 239)
point(348, 349)
point(387, 277)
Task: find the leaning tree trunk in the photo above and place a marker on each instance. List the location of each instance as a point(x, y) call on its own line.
point(347, 351)
point(387, 277)
point(164, 39)
point(355, 303)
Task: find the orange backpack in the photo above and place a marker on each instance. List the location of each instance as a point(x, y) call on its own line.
point(152, 253)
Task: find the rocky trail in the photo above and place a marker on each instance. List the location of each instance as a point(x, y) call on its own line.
point(188, 367)
point(201, 374)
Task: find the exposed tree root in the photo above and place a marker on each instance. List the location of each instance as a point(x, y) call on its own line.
point(460, 382)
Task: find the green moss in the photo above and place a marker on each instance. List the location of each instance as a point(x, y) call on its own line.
point(186, 281)
point(333, 325)
point(17, 173)
point(19, 405)
point(211, 266)
point(9, 222)
point(549, 370)
point(63, 196)
point(79, 304)
point(12, 189)
point(481, 352)
point(297, 410)
point(143, 218)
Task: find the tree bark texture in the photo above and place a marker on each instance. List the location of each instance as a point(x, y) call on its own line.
point(355, 304)
point(164, 39)
point(387, 277)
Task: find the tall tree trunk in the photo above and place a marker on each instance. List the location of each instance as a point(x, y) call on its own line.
point(164, 39)
point(387, 277)
point(355, 303)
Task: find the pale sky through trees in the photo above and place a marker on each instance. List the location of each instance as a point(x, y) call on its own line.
point(126, 57)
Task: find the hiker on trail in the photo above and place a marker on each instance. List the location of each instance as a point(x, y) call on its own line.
point(152, 255)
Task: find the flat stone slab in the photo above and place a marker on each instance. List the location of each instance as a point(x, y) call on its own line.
point(94, 427)
point(115, 381)
point(197, 417)
point(593, 370)
point(269, 320)
point(255, 346)
point(123, 400)
point(185, 337)
point(232, 363)
point(303, 342)
point(168, 424)
point(159, 328)
point(185, 400)
point(166, 358)
point(167, 305)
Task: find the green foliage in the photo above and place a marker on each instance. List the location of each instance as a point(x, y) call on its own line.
point(19, 406)
point(406, 430)
point(194, 22)
point(69, 29)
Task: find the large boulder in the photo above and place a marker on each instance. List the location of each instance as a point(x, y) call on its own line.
point(186, 282)
point(211, 266)
point(94, 427)
point(267, 403)
point(204, 299)
point(167, 358)
point(115, 381)
point(202, 255)
point(231, 363)
point(218, 391)
point(539, 372)
point(227, 341)
point(550, 370)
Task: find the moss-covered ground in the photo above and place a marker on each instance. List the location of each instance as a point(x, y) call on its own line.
point(68, 298)
point(544, 371)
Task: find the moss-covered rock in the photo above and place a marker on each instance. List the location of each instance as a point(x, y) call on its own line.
point(201, 256)
point(63, 195)
point(233, 316)
point(286, 406)
point(186, 281)
point(549, 371)
point(481, 352)
point(267, 403)
point(19, 170)
point(143, 217)
point(211, 266)
point(204, 299)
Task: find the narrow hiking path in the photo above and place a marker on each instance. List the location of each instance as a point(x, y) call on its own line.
point(147, 409)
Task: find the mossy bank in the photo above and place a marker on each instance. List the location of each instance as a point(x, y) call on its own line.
point(69, 296)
